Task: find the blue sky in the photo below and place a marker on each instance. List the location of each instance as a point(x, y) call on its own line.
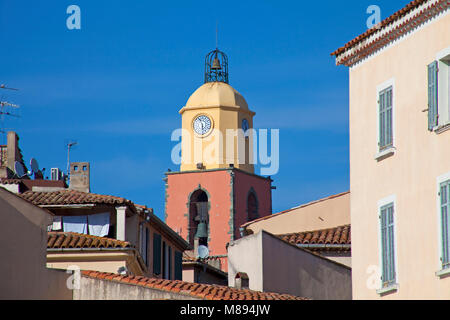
point(116, 85)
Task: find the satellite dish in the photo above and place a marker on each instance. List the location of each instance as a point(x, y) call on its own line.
point(203, 252)
point(34, 165)
point(19, 169)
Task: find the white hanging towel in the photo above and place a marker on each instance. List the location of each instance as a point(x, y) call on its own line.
point(76, 224)
point(98, 224)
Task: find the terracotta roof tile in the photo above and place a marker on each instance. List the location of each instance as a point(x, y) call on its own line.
point(366, 47)
point(397, 15)
point(333, 236)
point(204, 291)
point(10, 181)
point(63, 240)
point(64, 197)
point(73, 197)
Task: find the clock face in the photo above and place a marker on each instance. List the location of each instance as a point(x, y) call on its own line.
point(245, 125)
point(202, 125)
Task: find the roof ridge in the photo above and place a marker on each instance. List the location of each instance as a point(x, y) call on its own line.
point(318, 230)
point(338, 236)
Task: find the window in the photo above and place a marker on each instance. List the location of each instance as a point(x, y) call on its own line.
point(445, 210)
point(385, 119)
point(170, 263)
point(198, 217)
point(241, 281)
point(167, 254)
point(433, 112)
point(438, 91)
point(178, 265)
point(144, 237)
point(156, 253)
point(388, 275)
point(252, 206)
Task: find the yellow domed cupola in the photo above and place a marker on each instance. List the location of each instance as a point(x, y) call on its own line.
point(212, 113)
point(214, 94)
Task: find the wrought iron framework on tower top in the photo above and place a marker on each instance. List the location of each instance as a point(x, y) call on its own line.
point(216, 67)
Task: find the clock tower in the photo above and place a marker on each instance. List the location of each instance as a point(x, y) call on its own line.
point(216, 189)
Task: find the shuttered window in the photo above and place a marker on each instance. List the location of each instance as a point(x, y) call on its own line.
point(433, 111)
point(170, 263)
point(156, 254)
point(385, 122)
point(445, 210)
point(387, 245)
point(178, 265)
point(144, 237)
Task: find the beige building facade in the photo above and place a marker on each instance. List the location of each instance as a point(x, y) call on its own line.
point(321, 214)
point(23, 238)
point(399, 154)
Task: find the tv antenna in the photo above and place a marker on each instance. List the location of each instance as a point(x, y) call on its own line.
point(6, 108)
point(70, 144)
point(3, 86)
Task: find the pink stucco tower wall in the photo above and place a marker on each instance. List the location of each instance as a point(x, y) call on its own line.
point(228, 193)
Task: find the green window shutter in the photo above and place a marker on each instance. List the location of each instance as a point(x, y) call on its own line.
point(445, 206)
point(156, 254)
point(389, 136)
point(170, 263)
point(382, 119)
point(146, 238)
point(385, 114)
point(388, 245)
point(384, 254)
point(178, 265)
point(433, 113)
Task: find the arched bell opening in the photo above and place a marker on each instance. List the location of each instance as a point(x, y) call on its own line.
point(199, 218)
point(252, 206)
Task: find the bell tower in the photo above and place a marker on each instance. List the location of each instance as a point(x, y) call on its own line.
point(216, 190)
point(216, 122)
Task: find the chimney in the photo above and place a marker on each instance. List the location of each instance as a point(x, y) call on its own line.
point(12, 151)
point(79, 176)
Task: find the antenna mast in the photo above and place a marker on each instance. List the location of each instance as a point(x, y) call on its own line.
point(70, 144)
point(5, 109)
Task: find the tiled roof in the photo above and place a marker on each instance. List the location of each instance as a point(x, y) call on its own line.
point(299, 207)
point(201, 291)
point(65, 240)
point(400, 13)
point(10, 181)
point(65, 197)
point(333, 236)
point(73, 197)
point(368, 43)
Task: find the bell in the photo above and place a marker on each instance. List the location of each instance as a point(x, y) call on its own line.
point(216, 64)
point(202, 231)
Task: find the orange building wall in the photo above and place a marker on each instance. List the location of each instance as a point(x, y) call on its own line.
point(243, 183)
